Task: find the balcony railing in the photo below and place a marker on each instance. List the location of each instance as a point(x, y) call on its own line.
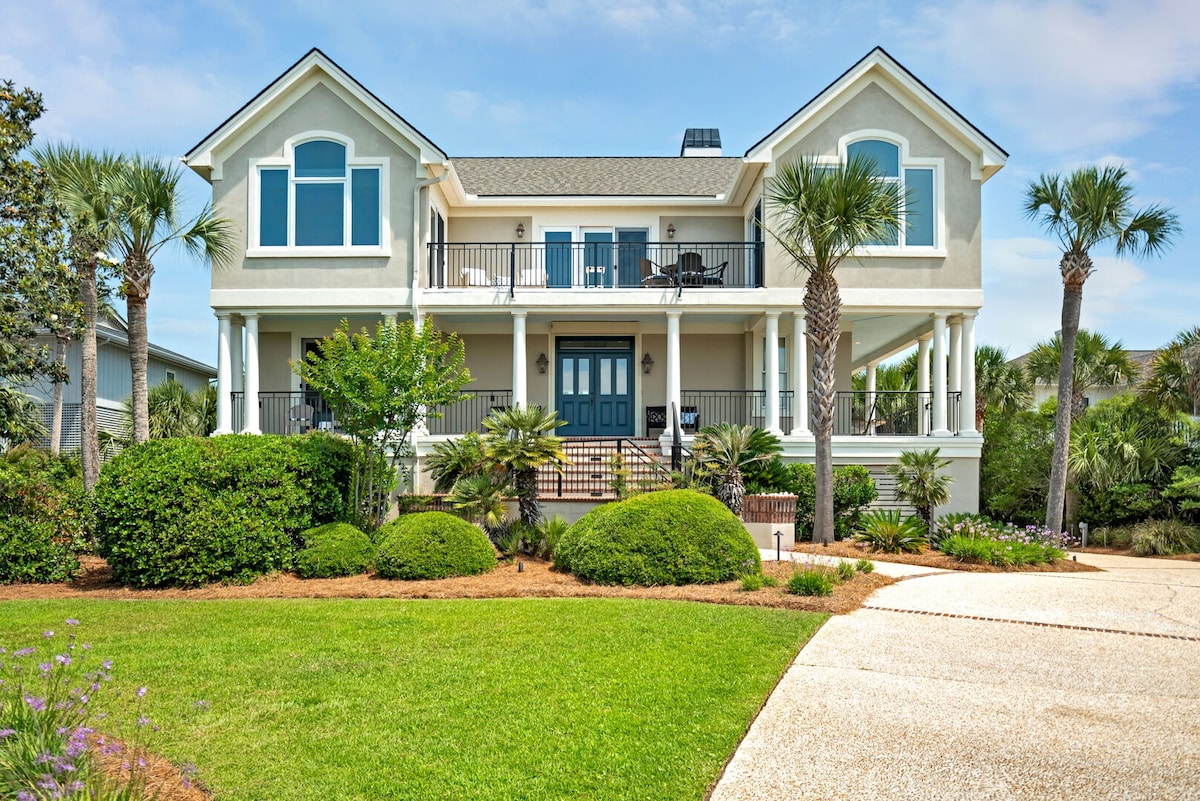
point(890, 413)
point(616, 265)
point(467, 415)
point(286, 412)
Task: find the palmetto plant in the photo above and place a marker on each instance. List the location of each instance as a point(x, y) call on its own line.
point(1097, 362)
point(725, 449)
point(999, 386)
point(820, 213)
point(921, 482)
point(1174, 379)
point(1092, 206)
point(519, 438)
point(886, 531)
point(483, 498)
point(1122, 441)
point(458, 458)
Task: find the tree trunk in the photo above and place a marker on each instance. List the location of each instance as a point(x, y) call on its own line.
point(823, 305)
point(89, 441)
point(136, 305)
point(732, 490)
point(1075, 269)
point(56, 418)
point(527, 497)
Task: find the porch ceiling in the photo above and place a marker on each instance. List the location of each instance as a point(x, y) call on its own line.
point(880, 336)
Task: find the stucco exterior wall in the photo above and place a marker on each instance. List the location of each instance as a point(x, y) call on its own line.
point(712, 361)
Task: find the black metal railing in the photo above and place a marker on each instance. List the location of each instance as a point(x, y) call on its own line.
point(468, 414)
point(599, 465)
point(887, 413)
point(286, 412)
point(624, 265)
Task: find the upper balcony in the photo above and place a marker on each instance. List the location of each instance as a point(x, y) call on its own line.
point(618, 265)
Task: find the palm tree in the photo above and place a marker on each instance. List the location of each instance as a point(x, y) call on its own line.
point(1097, 362)
point(518, 438)
point(147, 216)
point(726, 449)
point(823, 213)
point(82, 181)
point(1089, 207)
point(483, 498)
point(919, 481)
point(1174, 379)
point(454, 459)
point(999, 386)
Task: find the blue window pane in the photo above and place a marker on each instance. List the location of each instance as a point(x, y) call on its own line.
point(320, 214)
point(320, 159)
point(272, 208)
point(919, 184)
point(885, 155)
point(364, 205)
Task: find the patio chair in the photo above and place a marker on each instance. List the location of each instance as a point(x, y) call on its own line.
point(653, 275)
point(715, 276)
point(300, 418)
point(691, 269)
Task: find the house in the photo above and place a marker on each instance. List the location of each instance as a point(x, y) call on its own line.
point(114, 381)
point(630, 294)
point(1045, 390)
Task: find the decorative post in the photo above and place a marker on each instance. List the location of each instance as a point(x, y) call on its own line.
point(224, 383)
point(771, 366)
point(250, 398)
point(939, 375)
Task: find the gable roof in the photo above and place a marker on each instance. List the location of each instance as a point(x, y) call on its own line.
point(987, 159)
point(258, 111)
point(597, 176)
point(1141, 358)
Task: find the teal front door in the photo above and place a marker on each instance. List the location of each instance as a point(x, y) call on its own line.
point(594, 391)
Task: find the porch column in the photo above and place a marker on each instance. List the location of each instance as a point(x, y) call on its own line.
point(237, 365)
point(967, 406)
point(939, 375)
point(421, 429)
point(771, 385)
point(800, 375)
point(224, 382)
point(250, 399)
point(923, 383)
point(872, 374)
point(674, 372)
point(519, 367)
point(956, 354)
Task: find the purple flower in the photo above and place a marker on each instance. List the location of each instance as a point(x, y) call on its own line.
point(25, 795)
point(6, 733)
point(106, 664)
point(143, 720)
point(24, 652)
point(141, 692)
point(36, 704)
point(62, 659)
point(72, 621)
point(45, 667)
point(47, 634)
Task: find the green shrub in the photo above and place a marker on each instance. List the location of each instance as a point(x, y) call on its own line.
point(998, 552)
point(1164, 538)
point(1183, 492)
point(1114, 537)
point(864, 566)
point(752, 582)
point(1014, 467)
point(660, 538)
point(853, 491)
point(45, 517)
point(845, 570)
point(186, 512)
point(1121, 504)
point(432, 545)
point(886, 531)
point(811, 581)
point(334, 549)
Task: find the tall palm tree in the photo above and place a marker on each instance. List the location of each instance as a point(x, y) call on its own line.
point(999, 386)
point(1088, 208)
point(1174, 379)
point(519, 438)
point(726, 449)
point(82, 182)
point(820, 214)
point(1097, 362)
point(147, 216)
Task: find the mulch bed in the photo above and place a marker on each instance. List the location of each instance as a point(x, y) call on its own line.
point(928, 558)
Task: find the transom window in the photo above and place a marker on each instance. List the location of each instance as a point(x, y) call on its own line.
point(319, 196)
point(916, 179)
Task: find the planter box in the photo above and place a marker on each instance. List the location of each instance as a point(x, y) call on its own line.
point(763, 515)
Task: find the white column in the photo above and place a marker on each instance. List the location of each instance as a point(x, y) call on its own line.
point(967, 407)
point(237, 365)
point(870, 399)
point(923, 383)
point(800, 376)
point(520, 380)
point(224, 381)
point(956, 354)
point(939, 375)
point(251, 425)
point(771, 366)
point(674, 371)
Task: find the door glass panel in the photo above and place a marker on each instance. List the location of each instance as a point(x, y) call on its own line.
point(568, 376)
point(606, 376)
point(585, 375)
point(622, 377)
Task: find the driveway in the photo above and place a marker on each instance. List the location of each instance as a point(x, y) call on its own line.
point(992, 686)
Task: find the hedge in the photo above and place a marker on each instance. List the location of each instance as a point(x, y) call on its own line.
point(432, 545)
point(334, 549)
point(45, 517)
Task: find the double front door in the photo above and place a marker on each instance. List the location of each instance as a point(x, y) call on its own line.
point(594, 391)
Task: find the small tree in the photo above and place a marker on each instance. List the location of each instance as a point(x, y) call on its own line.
point(919, 481)
point(380, 388)
point(519, 438)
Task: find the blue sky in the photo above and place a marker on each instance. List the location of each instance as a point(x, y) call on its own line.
point(1057, 83)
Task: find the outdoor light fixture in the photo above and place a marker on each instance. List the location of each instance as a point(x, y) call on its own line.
point(670, 230)
point(647, 363)
point(520, 230)
point(542, 363)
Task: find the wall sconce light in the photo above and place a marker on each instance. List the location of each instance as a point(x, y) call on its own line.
point(520, 230)
point(647, 364)
point(670, 230)
point(542, 363)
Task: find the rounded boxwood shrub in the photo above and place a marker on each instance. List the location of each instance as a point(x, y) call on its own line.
point(431, 545)
point(190, 511)
point(334, 549)
point(45, 517)
point(670, 537)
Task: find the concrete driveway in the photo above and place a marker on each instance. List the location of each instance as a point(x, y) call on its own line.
point(992, 686)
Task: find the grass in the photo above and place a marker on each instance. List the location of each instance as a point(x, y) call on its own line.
point(512, 698)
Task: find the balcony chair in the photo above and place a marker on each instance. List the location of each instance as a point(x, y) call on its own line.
point(691, 269)
point(532, 276)
point(300, 418)
point(653, 275)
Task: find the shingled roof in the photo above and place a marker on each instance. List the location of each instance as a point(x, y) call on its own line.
point(616, 176)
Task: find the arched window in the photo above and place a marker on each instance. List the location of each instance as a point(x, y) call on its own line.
point(319, 196)
point(917, 180)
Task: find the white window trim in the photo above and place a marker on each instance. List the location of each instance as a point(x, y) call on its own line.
point(937, 164)
point(254, 250)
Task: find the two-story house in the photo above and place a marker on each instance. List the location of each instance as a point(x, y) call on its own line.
point(627, 293)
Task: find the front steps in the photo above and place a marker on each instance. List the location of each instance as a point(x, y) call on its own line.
point(590, 475)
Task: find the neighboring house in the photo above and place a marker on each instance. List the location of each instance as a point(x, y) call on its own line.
point(114, 381)
point(1045, 390)
point(612, 289)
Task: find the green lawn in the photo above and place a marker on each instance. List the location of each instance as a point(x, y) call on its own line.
point(383, 699)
